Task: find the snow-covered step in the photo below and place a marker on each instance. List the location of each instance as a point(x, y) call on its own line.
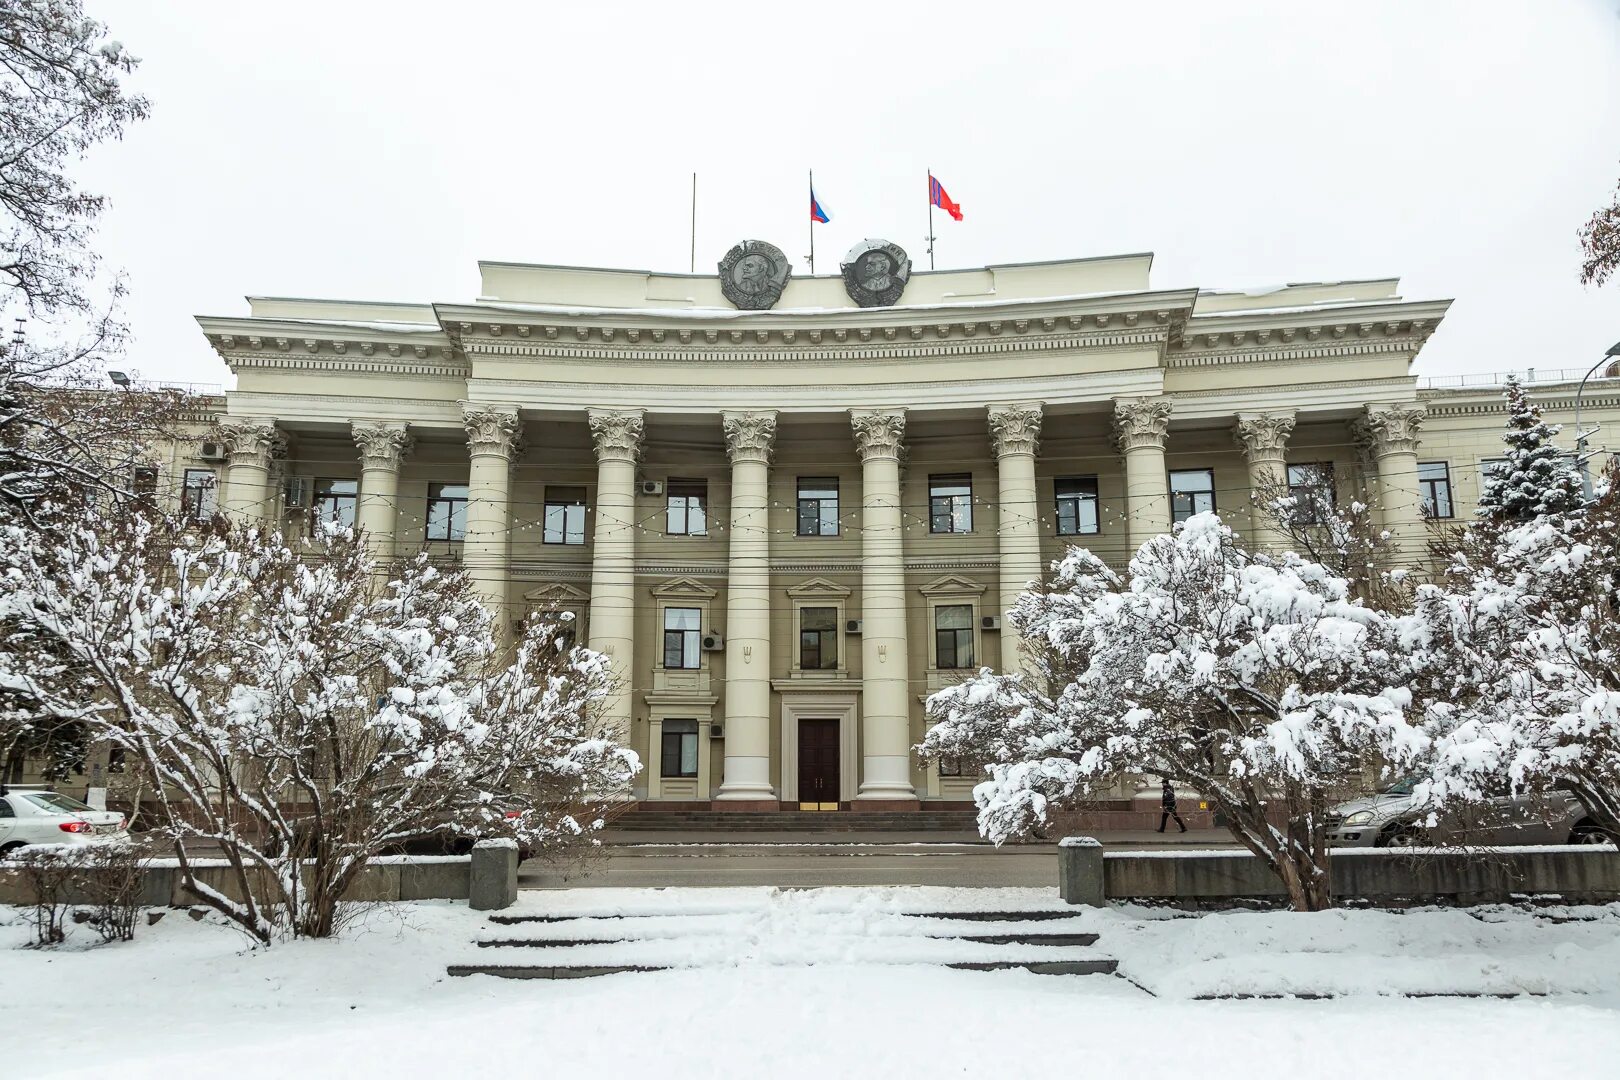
point(1024, 938)
point(1094, 966)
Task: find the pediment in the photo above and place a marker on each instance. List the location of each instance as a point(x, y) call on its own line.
point(952, 585)
point(818, 589)
point(556, 594)
point(683, 588)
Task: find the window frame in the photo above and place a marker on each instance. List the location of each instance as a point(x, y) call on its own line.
point(1171, 475)
point(672, 766)
point(1080, 500)
point(820, 484)
point(450, 521)
point(337, 499)
point(696, 497)
point(211, 505)
point(956, 633)
point(826, 647)
point(550, 502)
point(695, 642)
point(959, 504)
point(1428, 494)
point(1305, 512)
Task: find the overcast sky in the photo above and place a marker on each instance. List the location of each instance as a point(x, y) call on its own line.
point(377, 150)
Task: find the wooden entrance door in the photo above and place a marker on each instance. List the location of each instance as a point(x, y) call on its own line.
point(818, 764)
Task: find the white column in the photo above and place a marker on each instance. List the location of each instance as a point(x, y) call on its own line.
point(1391, 434)
point(251, 443)
point(747, 777)
point(885, 663)
point(1263, 438)
point(1015, 431)
point(617, 435)
point(1142, 425)
point(383, 445)
point(492, 432)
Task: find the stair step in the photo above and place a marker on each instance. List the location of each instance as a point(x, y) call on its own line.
point(1033, 937)
point(1033, 915)
point(586, 971)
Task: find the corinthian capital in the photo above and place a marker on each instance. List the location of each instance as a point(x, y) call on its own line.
point(878, 434)
point(616, 433)
point(383, 444)
point(1391, 429)
point(1264, 436)
point(248, 441)
point(750, 436)
point(1141, 422)
point(1015, 429)
point(491, 429)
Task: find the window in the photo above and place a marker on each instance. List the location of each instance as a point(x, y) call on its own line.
point(199, 497)
point(334, 503)
point(565, 515)
point(567, 624)
point(953, 636)
point(1192, 491)
point(681, 637)
point(688, 509)
point(5, 808)
point(818, 638)
point(950, 503)
point(679, 748)
point(1076, 504)
point(447, 511)
point(950, 766)
point(144, 482)
point(61, 804)
point(818, 506)
point(1311, 488)
point(1434, 485)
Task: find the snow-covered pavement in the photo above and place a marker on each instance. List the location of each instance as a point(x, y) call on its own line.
point(828, 982)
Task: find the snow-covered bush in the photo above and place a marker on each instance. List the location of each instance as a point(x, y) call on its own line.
point(304, 713)
point(1260, 682)
point(1521, 640)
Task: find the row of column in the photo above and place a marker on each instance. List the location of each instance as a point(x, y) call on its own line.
point(1388, 434)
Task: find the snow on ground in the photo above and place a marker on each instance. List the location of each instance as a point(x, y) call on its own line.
point(190, 998)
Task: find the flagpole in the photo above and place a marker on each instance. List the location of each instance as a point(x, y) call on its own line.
point(930, 218)
point(812, 224)
point(691, 266)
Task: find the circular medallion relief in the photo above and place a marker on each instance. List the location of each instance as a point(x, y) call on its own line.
point(753, 275)
point(875, 273)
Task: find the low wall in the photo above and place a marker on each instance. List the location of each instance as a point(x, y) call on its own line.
point(1474, 875)
point(391, 878)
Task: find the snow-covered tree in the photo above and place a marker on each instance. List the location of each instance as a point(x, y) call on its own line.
point(1259, 682)
point(1600, 243)
point(305, 714)
point(1535, 477)
point(1521, 680)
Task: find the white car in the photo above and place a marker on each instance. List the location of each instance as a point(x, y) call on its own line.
point(36, 816)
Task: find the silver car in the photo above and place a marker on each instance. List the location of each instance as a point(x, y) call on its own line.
point(1394, 818)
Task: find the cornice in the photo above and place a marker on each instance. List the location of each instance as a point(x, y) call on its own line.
point(1434, 401)
point(1422, 315)
point(434, 363)
point(1269, 347)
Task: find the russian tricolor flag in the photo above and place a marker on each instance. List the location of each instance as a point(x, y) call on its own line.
point(817, 211)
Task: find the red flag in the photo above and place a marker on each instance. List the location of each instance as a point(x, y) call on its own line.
point(937, 197)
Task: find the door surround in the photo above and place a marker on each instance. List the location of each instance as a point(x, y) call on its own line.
point(818, 704)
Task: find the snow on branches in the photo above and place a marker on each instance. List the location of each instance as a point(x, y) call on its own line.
point(303, 711)
point(1260, 682)
point(1535, 477)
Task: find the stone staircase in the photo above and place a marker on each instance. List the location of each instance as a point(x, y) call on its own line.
point(573, 946)
point(722, 821)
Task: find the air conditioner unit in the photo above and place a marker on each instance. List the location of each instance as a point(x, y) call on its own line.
point(298, 488)
point(852, 626)
point(713, 642)
point(652, 487)
point(212, 451)
point(717, 731)
point(990, 622)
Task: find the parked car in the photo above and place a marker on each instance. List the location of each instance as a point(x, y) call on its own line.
point(1395, 818)
point(38, 816)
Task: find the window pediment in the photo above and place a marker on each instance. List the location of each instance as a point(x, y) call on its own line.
point(818, 589)
point(683, 589)
point(952, 585)
point(556, 594)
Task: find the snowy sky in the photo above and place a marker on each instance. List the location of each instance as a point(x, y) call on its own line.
point(377, 150)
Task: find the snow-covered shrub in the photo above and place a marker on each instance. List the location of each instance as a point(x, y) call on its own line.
point(304, 712)
point(1260, 682)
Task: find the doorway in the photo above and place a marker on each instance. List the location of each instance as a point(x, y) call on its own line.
point(818, 764)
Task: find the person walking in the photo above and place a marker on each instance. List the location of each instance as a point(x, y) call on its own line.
point(1167, 804)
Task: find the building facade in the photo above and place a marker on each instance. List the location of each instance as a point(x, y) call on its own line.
point(787, 525)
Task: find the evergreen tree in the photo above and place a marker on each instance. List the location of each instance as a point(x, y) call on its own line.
point(1535, 477)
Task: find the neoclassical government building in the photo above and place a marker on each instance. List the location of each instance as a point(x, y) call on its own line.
point(789, 509)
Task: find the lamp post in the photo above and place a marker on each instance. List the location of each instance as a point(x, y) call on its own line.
point(1580, 433)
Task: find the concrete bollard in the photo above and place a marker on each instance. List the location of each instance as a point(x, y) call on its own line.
point(493, 877)
point(1080, 871)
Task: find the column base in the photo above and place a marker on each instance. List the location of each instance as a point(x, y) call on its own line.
point(885, 804)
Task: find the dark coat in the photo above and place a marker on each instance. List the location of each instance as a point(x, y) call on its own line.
point(1167, 798)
